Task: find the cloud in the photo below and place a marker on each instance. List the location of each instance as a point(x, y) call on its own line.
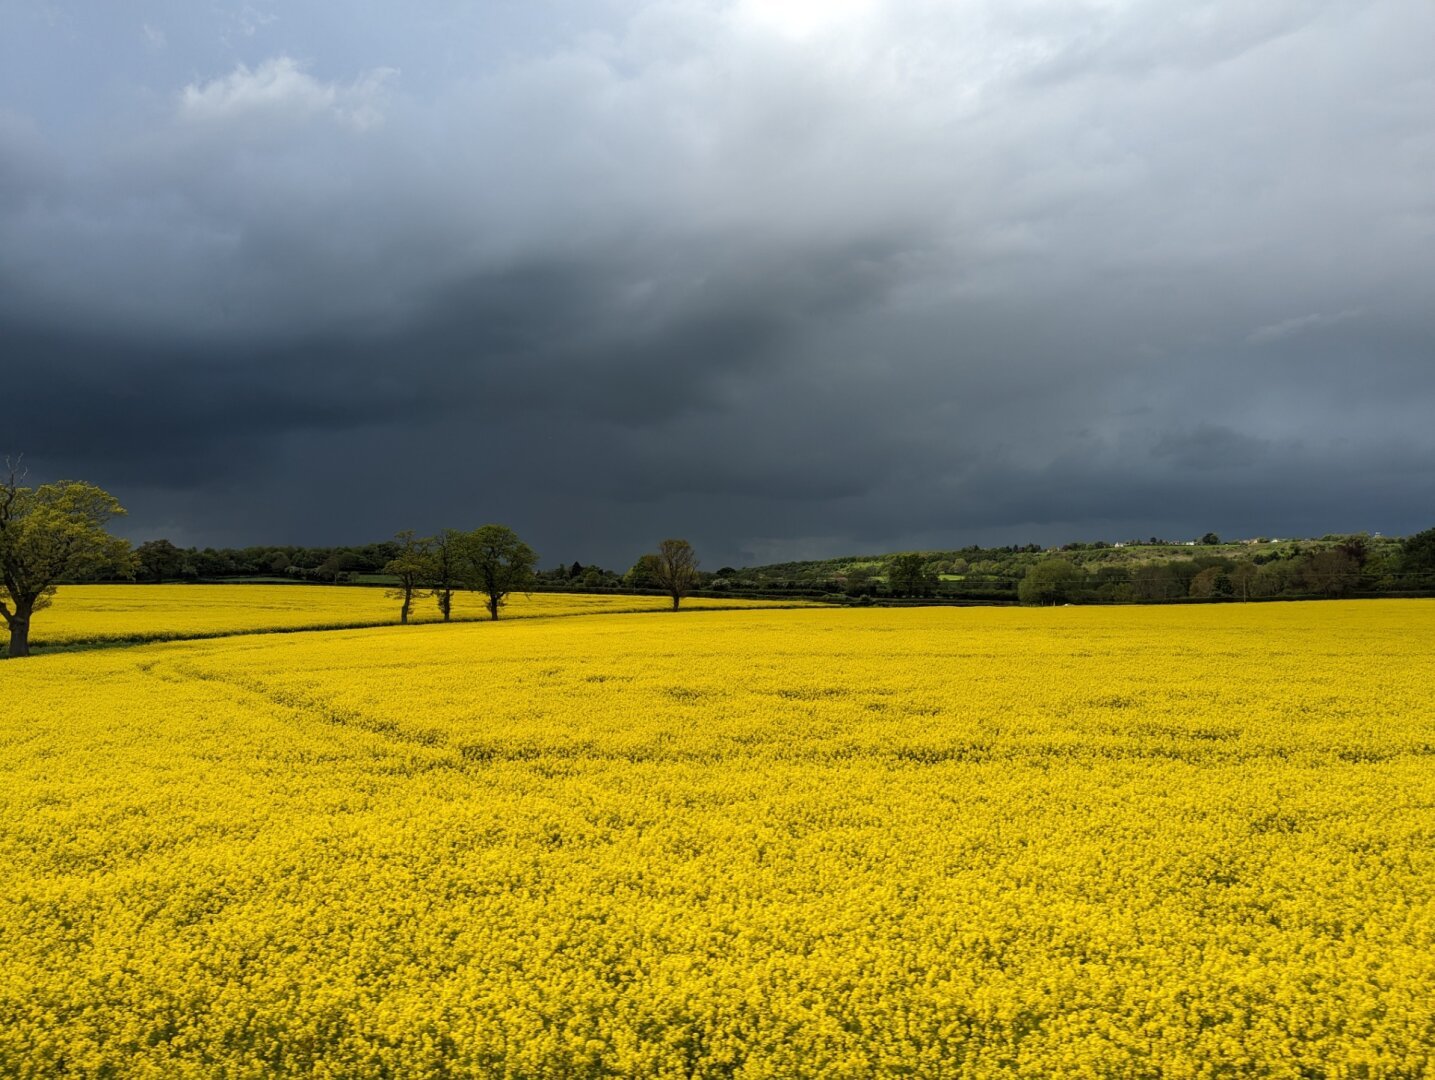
point(1286, 328)
point(246, 20)
point(279, 91)
point(782, 278)
point(1211, 446)
point(28, 167)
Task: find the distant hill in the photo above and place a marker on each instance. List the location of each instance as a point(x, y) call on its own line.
point(1152, 569)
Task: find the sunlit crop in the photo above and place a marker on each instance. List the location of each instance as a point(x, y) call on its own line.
point(105, 613)
point(1150, 842)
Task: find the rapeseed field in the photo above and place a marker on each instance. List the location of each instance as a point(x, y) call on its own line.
point(1074, 842)
point(97, 614)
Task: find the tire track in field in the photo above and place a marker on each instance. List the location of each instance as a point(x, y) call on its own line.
point(306, 706)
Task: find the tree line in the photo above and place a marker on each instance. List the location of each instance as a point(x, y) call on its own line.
point(161, 560)
point(1328, 572)
point(1145, 571)
point(495, 563)
point(56, 533)
point(491, 560)
point(1100, 572)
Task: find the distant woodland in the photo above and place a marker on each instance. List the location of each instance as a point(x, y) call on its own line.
point(1141, 571)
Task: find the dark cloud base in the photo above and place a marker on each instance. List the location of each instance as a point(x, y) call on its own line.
point(692, 273)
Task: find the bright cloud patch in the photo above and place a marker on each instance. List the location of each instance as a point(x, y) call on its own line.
point(803, 18)
point(1278, 331)
point(280, 88)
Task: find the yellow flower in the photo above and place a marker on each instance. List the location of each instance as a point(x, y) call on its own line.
point(1076, 842)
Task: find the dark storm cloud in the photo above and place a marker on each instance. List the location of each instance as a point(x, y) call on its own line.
point(1210, 446)
point(788, 278)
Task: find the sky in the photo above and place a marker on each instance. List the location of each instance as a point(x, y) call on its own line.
point(790, 279)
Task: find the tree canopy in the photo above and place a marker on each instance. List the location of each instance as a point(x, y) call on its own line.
point(49, 534)
point(412, 567)
point(907, 574)
point(496, 563)
point(159, 559)
point(673, 568)
point(444, 558)
point(1418, 555)
point(1049, 582)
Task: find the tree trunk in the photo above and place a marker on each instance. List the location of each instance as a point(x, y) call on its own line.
point(676, 598)
point(404, 610)
point(19, 634)
point(445, 604)
point(493, 607)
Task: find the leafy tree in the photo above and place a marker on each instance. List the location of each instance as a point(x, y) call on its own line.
point(674, 568)
point(1209, 583)
point(1050, 581)
point(1157, 581)
point(859, 581)
point(1271, 579)
point(1332, 572)
point(412, 567)
point(446, 552)
point(340, 566)
point(1243, 577)
point(642, 574)
point(1357, 547)
point(907, 574)
point(1111, 582)
point(1210, 538)
point(159, 559)
point(1417, 556)
point(496, 563)
point(48, 534)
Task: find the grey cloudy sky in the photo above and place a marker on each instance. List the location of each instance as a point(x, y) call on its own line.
point(789, 278)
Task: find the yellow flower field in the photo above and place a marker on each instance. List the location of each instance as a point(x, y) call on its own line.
point(91, 614)
point(1071, 842)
